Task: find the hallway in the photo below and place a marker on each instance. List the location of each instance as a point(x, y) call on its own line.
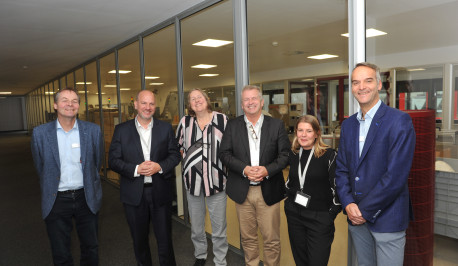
point(23, 239)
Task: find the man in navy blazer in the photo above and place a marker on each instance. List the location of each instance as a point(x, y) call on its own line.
point(144, 152)
point(67, 156)
point(373, 164)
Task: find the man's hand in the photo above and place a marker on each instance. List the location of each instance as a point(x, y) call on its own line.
point(255, 173)
point(148, 168)
point(354, 214)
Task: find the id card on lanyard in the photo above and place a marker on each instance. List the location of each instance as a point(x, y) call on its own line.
point(302, 198)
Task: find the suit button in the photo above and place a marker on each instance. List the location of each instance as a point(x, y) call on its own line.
point(356, 178)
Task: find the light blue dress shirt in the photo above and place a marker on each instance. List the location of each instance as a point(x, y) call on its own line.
point(71, 171)
point(365, 124)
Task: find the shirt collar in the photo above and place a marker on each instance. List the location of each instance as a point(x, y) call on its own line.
point(59, 126)
point(259, 122)
point(150, 125)
point(371, 113)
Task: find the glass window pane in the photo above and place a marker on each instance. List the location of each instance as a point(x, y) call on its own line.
point(281, 42)
point(210, 68)
point(70, 80)
point(130, 83)
point(161, 73)
point(79, 86)
point(93, 114)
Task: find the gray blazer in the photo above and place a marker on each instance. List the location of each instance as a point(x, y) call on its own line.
point(45, 152)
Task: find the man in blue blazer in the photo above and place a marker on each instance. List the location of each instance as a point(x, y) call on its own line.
point(144, 152)
point(373, 163)
point(67, 155)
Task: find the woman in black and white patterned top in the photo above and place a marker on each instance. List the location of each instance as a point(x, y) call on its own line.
point(199, 135)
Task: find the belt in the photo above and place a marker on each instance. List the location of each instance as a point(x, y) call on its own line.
point(255, 185)
point(70, 191)
point(147, 184)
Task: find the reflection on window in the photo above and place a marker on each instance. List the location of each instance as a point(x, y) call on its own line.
point(93, 114)
point(79, 86)
point(210, 68)
point(129, 78)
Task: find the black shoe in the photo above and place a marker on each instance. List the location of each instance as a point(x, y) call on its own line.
point(199, 262)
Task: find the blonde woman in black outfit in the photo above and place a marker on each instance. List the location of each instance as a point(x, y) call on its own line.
point(312, 203)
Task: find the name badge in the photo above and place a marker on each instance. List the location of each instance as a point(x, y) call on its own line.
point(302, 199)
point(75, 145)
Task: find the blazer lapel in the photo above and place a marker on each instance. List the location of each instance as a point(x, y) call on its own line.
point(244, 137)
point(83, 142)
point(375, 126)
point(137, 144)
point(265, 129)
point(52, 138)
point(155, 132)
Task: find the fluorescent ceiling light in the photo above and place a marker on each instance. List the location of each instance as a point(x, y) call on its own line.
point(369, 33)
point(151, 77)
point(416, 69)
point(109, 86)
point(205, 66)
point(120, 71)
point(208, 75)
point(124, 89)
point(102, 93)
point(82, 83)
point(5, 92)
point(156, 83)
point(322, 56)
point(80, 91)
point(49, 92)
point(307, 80)
point(212, 43)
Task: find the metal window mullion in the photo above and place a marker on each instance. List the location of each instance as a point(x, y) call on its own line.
point(118, 85)
point(240, 50)
point(142, 62)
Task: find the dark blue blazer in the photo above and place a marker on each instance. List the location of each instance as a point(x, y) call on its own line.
point(377, 181)
point(126, 153)
point(45, 152)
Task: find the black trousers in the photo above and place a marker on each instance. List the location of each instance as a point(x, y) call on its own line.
point(139, 218)
point(310, 234)
point(59, 225)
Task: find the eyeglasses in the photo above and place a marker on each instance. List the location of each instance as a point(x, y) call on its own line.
point(200, 143)
point(253, 133)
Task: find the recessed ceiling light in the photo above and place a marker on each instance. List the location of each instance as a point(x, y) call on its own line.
point(416, 69)
point(124, 89)
point(82, 83)
point(120, 71)
point(208, 75)
point(5, 92)
point(322, 56)
point(109, 86)
point(151, 77)
point(212, 43)
point(205, 66)
point(156, 83)
point(369, 33)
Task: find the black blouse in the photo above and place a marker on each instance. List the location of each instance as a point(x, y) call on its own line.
point(319, 180)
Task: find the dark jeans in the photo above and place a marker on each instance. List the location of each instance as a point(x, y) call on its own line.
point(310, 234)
point(139, 218)
point(59, 226)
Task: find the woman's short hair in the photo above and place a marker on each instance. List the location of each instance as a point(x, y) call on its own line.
point(209, 106)
point(320, 146)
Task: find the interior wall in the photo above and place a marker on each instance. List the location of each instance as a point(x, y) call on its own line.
point(12, 118)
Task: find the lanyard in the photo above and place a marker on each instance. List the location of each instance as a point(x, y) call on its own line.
point(302, 174)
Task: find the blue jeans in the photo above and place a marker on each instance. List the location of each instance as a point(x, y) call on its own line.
point(59, 225)
point(374, 248)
